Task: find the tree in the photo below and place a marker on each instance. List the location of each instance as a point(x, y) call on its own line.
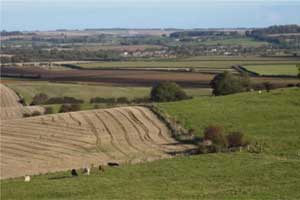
point(39, 99)
point(167, 91)
point(226, 83)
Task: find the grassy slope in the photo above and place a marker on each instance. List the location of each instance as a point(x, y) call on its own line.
point(82, 91)
point(269, 117)
point(274, 69)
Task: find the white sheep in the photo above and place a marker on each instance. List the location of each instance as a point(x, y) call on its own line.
point(27, 179)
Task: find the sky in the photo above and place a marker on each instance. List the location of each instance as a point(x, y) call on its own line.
point(29, 15)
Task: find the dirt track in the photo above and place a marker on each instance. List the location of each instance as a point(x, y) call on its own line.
point(74, 140)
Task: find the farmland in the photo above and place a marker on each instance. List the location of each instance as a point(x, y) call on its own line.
point(62, 141)
point(276, 69)
point(269, 175)
point(236, 41)
point(11, 107)
point(218, 63)
point(84, 91)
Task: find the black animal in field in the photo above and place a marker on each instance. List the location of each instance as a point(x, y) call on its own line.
point(74, 173)
point(113, 164)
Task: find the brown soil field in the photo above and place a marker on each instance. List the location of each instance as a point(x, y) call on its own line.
point(128, 77)
point(64, 141)
point(10, 105)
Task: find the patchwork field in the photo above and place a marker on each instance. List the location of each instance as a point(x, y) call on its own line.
point(284, 69)
point(74, 140)
point(11, 107)
point(271, 119)
point(246, 42)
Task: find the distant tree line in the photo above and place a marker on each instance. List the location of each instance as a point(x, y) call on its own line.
point(203, 33)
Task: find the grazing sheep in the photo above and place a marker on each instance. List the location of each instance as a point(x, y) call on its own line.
point(87, 171)
point(113, 164)
point(74, 172)
point(259, 92)
point(27, 179)
point(101, 168)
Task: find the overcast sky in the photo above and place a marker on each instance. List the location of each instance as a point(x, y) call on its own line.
point(80, 14)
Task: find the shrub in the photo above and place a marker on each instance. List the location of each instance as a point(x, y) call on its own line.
point(268, 86)
point(39, 99)
point(226, 83)
point(49, 110)
point(64, 100)
point(167, 91)
point(36, 113)
point(236, 139)
point(215, 134)
point(141, 100)
point(69, 108)
point(102, 100)
point(122, 100)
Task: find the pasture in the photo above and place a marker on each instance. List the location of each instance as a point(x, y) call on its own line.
point(276, 69)
point(271, 119)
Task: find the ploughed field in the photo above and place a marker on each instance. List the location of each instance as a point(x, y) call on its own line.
point(128, 77)
point(11, 107)
point(78, 139)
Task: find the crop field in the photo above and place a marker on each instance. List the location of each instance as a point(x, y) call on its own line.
point(11, 107)
point(271, 119)
point(117, 77)
point(28, 89)
point(73, 140)
point(287, 69)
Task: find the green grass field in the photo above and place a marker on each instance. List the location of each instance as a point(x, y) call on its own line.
point(285, 69)
point(247, 42)
point(28, 89)
point(271, 119)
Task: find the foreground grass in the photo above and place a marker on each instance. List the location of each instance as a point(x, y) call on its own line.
point(214, 176)
point(287, 69)
point(271, 119)
point(28, 89)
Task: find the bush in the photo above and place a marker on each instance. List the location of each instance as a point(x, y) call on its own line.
point(69, 108)
point(215, 134)
point(102, 100)
point(26, 115)
point(49, 110)
point(64, 100)
point(226, 83)
point(236, 139)
point(122, 100)
point(268, 86)
point(39, 99)
point(141, 100)
point(167, 91)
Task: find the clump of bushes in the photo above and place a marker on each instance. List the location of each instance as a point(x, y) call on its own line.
point(69, 108)
point(63, 100)
point(167, 91)
point(39, 99)
point(214, 140)
point(42, 98)
point(227, 83)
